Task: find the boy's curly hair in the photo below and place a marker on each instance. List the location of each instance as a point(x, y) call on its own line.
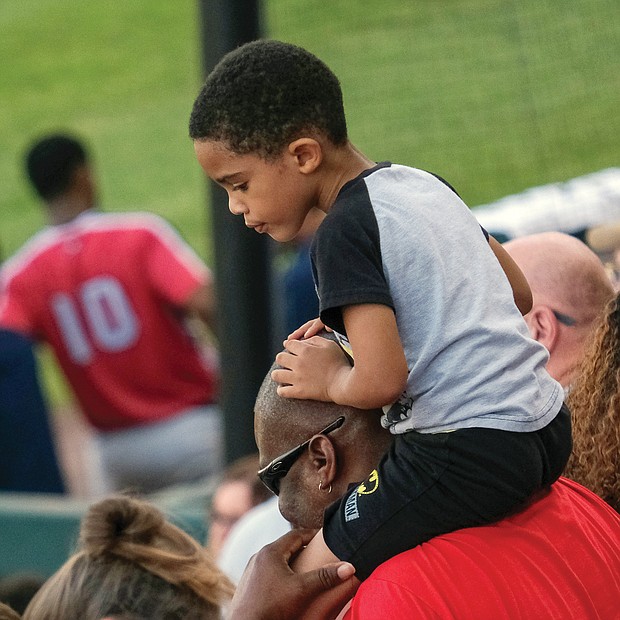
point(265, 94)
point(594, 401)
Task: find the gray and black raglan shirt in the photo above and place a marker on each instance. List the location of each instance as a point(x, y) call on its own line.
point(399, 236)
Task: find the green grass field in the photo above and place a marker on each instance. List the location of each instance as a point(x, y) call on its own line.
point(494, 95)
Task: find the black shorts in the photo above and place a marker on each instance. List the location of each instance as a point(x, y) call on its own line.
point(431, 484)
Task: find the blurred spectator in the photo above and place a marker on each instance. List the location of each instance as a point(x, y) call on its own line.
point(594, 401)
point(570, 289)
point(132, 563)
point(18, 589)
point(28, 458)
point(7, 613)
point(111, 294)
point(572, 207)
point(257, 528)
point(238, 491)
point(605, 241)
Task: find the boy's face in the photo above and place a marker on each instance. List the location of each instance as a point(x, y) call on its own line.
point(273, 196)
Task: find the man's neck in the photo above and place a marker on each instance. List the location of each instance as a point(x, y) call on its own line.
point(62, 211)
point(563, 373)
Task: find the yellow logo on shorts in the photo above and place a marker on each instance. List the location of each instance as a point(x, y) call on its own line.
point(371, 485)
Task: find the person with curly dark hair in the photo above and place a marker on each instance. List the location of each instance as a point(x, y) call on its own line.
point(132, 562)
point(427, 304)
point(594, 401)
point(239, 490)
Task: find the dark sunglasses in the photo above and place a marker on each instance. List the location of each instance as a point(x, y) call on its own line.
point(278, 468)
point(569, 321)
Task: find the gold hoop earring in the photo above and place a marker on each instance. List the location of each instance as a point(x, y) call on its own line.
point(329, 490)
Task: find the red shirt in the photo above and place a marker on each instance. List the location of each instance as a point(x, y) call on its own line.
point(105, 291)
point(558, 559)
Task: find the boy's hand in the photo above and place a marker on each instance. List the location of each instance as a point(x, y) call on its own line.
point(308, 368)
point(307, 330)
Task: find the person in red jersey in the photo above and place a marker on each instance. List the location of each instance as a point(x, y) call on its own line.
point(111, 294)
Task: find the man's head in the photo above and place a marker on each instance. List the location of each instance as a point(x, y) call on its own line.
point(264, 95)
point(331, 461)
point(570, 289)
point(57, 166)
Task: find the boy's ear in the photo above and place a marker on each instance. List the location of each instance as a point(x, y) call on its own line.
point(308, 154)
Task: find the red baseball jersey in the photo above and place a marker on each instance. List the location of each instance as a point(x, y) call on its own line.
point(559, 558)
point(106, 291)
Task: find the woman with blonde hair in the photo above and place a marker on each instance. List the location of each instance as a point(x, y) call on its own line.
point(132, 563)
point(594, 401)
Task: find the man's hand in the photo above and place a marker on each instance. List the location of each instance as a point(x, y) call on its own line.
point(310, 368)
point(270, 590)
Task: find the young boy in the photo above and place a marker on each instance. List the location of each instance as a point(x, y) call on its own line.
point(405, 272)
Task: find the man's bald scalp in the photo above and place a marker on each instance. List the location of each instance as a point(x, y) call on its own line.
point(290, 421)
point(562, 268)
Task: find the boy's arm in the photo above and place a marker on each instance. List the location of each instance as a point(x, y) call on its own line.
point(316, 369)
point(520, 287)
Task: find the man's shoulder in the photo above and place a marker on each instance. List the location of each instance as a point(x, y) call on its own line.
point(37, 246)
point(131, 221)
point(145, 230)
point(90, 221)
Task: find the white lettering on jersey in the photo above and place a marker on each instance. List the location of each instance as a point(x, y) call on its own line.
point(110, 319)
point(71, 329)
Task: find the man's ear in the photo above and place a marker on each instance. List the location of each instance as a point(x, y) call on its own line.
point(308, 154)
point(543, 326)
point(80, 177)
point(82, 186)
point(323, 459)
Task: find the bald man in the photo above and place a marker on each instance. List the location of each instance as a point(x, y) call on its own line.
point(281, 423)
point(546, 561)
point(570, 289)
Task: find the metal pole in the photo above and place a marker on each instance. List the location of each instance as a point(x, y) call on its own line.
point(242, 258)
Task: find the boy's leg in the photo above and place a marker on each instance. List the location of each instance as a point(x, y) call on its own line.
point(555, 445)
point(429, 485)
